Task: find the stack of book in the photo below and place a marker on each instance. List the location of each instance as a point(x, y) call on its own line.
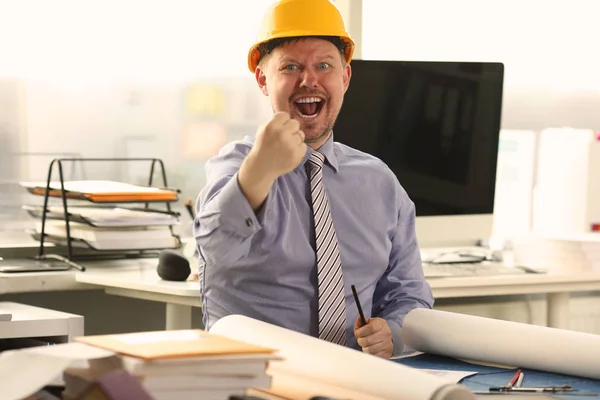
point(184, 364)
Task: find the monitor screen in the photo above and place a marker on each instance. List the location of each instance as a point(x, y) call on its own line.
point(435, 124)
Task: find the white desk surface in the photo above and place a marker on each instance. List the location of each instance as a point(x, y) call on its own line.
point(558, 282)
point(141, 275)
point(137, 278)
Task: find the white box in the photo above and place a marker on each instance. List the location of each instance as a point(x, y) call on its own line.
point(567, 193)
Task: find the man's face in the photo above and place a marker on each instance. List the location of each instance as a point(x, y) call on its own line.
point(306, 78)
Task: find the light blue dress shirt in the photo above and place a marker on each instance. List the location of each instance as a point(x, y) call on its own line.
point(263, 265)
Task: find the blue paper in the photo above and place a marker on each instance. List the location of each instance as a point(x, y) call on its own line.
point(493, 376)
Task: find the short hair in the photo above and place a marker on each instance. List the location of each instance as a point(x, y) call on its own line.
point(267, 48)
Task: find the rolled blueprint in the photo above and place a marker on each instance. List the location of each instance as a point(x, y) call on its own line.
point(504, 342)
point(315, 367)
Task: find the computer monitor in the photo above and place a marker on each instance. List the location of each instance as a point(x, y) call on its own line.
point(436, 125)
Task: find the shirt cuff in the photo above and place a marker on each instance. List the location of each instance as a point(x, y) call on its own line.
point(396, 337)
point(235, 209)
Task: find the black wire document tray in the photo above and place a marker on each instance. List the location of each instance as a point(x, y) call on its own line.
point(98, 223)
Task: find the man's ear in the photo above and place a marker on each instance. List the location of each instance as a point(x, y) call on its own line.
point(261, 79)
point(347, 76)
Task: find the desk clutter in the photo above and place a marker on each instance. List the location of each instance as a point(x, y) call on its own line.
point(459, 357)
point(161, 365)
point(489, 381)
point(104, 218)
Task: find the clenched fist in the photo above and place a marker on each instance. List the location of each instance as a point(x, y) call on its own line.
point(278, 148)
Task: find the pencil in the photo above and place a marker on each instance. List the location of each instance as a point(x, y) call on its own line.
point(360, 311)
point(520, 380)
point(514, 378)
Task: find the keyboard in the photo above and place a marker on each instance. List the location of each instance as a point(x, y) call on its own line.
point(485, 268)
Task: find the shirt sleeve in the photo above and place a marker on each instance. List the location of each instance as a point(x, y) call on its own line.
point(403, 286)
point(225, 222)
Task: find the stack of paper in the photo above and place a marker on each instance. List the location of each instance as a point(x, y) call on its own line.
point(106, 217)
point(576, 252)
point(187, 364)
point(136, 238)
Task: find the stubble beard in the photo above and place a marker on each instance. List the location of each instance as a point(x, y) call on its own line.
point(324, 133)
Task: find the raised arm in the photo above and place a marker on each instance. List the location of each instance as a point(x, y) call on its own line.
point(229, 209)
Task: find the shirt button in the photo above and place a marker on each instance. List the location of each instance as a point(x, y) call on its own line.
point(249, 222)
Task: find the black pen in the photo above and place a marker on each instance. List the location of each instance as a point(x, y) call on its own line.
point(360, 311)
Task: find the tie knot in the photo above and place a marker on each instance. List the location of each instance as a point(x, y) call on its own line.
point(316, 160)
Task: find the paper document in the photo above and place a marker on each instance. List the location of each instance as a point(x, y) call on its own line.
point(107, 217)
point(313, 367)
point(111, 238)
point(25, 372)
point(450, 376)
point(503, 342)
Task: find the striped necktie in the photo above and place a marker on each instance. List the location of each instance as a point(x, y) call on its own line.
point(332, 304)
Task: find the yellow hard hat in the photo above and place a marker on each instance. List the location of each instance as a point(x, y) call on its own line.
point(297, 18)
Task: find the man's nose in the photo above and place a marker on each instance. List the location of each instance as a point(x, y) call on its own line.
point(309, 78)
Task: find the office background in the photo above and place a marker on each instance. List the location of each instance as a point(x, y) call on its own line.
point(169, 79)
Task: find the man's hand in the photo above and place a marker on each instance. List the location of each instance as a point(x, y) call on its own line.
point(375, 337)
point(278, 148)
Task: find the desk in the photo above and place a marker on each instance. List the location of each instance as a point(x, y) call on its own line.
point(556, 286)
point(138, 279)
point(23, 282)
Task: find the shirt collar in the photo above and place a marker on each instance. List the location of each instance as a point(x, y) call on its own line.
point(327, 150)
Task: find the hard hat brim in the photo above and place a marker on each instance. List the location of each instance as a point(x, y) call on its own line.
point(254, 55)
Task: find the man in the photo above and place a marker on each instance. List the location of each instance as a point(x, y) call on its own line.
point(290, 220)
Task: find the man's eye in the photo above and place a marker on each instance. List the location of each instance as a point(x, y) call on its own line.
point(323, 66)
point(291, 67)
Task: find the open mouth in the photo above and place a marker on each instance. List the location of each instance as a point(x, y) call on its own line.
point(309, 107)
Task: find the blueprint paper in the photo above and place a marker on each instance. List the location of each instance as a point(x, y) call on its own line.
point(503, 342)
point(331, 370)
